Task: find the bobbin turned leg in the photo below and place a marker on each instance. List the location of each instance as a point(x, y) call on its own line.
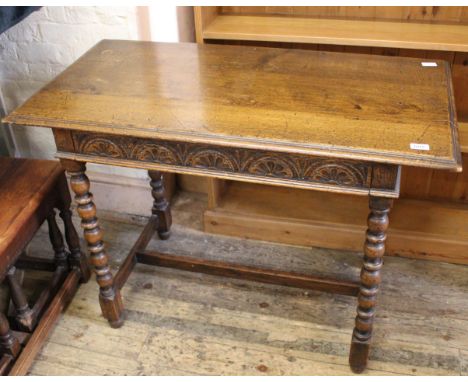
point(161, 207)
point(9, 344)
point(109, 297)
point(76, 257)
point(374, 249)
point(24, 315)
point(55, 236)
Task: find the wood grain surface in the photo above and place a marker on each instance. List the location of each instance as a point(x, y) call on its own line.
point(418, 229)
point(320, 103)
point(259, 166)
point(187, 323)
point(428, 240)
point(341, 32)
point(23, 199)
point(413, 14)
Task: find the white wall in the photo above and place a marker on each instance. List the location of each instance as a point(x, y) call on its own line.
point(37, 49)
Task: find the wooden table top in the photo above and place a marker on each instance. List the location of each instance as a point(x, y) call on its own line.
point(24, 184)
point(320, 103)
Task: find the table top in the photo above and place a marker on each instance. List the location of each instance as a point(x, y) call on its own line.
point(24, 185)
point(377, 108)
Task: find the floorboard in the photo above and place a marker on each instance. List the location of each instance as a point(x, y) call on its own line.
point(183, 323)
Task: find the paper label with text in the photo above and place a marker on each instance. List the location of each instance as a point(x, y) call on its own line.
point(429, 64)
point(419, 146)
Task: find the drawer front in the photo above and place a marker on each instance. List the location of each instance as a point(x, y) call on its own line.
point(228, 162)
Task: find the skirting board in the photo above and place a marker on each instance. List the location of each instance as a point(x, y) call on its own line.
point(418, 229)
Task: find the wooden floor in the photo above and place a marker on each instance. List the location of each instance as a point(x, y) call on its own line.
point(181, 323)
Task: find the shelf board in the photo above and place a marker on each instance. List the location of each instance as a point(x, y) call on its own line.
point(418, 229)
point(388, 34)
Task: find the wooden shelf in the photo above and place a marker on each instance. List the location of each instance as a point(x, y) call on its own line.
point(426, 229)
point(418, 229)
point(388, 34)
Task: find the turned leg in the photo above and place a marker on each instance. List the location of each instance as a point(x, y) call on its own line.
point(109, 297)
point(161, 207)
point(24, 315)
point(374, 249)
point(76, 257)
point(55, 236)
point(9, 344)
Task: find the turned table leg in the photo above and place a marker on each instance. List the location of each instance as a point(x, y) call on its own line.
point(161, 207)
point(109, 297)
point(76, 257)
point(24, 315)
point(374, 249)
point(9, 344)
point(56, 240)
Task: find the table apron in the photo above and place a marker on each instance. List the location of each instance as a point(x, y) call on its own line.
point(245, 164)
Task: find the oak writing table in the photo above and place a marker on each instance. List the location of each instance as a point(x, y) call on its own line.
point(305, 119)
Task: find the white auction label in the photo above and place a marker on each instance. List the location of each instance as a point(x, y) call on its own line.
point(419, 146)
point(429, 63)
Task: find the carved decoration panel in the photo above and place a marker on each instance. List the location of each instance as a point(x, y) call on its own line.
point(266, 164)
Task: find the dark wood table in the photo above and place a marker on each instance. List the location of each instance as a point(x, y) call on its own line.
point(322, 121)
point(31, 191)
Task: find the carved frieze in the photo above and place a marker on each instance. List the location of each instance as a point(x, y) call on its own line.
point(337, 172)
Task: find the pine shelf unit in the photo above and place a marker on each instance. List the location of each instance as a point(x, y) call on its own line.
point(434, 201)
point(418, 228)
point(386, 34)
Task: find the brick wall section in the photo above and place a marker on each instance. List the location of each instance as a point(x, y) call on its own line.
point(41, 46)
